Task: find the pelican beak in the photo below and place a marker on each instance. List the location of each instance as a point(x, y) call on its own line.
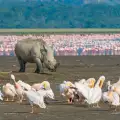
point(101, 83)
point(110, 94)
point(65, 91)
point(92, 82)
point(115, 89)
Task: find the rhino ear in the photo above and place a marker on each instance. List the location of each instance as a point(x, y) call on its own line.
point(44, 50)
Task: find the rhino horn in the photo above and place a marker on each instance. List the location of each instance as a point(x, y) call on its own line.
point(57, 64)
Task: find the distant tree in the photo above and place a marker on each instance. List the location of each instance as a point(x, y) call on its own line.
point(60, 14)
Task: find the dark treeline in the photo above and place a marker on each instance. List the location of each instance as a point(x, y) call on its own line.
point(36, 14)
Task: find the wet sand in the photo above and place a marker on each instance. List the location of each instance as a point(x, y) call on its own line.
point(71, 68)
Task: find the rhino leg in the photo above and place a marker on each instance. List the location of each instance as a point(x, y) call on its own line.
point(39, 68)
point(22, 65)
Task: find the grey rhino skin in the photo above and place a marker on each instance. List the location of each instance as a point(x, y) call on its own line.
point(35, 51)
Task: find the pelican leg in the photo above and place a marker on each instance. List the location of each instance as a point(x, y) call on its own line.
point(98, 105)
point(7, 99)
point(32, 109)
point(89, 106)
point(21, 99)
point(13, 98)
point(110, 106)
point(24, 98)
point(115, 109)
point(69, 101)
point(93, 105)
point(18, 98)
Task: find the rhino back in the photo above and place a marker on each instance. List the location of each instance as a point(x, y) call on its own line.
point(26, 50)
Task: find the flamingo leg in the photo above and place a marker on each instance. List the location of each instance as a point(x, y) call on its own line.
point(21, 99)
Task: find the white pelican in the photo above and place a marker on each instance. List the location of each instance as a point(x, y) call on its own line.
point(36, 86)
point(96, 92)
point(44, 85)
point(24, 85)
point(82, 81)
point(18, 88)
point(84, 88)
point(37, 97)
point(112, 98)
point(91, 94)
point(67, 91)
point(9, 91)
point(90, 82)
point(114, 86)
point(117, 84)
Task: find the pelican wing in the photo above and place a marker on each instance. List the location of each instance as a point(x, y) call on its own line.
point(82, 89)
point(24, 85)
point(34, 98)
point(62, 87)
point(116, 99)
point(96, 95)
point(1, 95)
point(12, 88)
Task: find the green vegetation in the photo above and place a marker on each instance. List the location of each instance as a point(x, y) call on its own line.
point(36, 14)
point(57, 31)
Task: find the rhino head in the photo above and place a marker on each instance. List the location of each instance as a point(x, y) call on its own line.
point(49, 60)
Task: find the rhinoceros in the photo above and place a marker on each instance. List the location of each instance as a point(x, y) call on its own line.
point(35, 51)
